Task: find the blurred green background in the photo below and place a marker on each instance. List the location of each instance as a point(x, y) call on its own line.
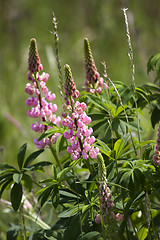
point(101, 21)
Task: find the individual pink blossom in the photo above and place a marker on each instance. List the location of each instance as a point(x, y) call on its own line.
point(98, 219)
point(119, 217)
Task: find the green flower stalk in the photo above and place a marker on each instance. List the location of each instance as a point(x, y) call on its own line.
point(93, 83)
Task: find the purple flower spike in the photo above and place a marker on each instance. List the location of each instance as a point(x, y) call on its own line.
point(70, 89)
point(93, 83)
point(34, 62)
point(156, 156)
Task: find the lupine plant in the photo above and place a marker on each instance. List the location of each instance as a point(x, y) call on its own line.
point(104, 182)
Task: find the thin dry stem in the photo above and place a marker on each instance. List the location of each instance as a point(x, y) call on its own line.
point(130, 53)
point(56, 37)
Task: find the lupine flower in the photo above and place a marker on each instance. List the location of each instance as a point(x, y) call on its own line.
point(106, 203)
point(93, 83)
point(156, 156)
point(76, 121)
point(40, 100)
point(70, 89)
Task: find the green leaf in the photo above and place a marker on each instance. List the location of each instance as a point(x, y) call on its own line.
point(55, 197)
point(62, 173)
point(71, 211)
point(120, 109)
point(142, 233)
point(97, 116)
point(155, 117)
point(45, 194)
point(100, 127)
point(97, 102)
point(6, 166)
point(59, 143)
point(39, 165)
point(152, 62)
point(118, 147)
point(21, 155)
point(74, 228)
point(90, 235)
point(17, 177)
point(49, 133)
point(5, 185)
point(158, 103)
point(27, 182)
point(103, 145)
point(68, 194)
point(16, 196)
point(119, 126)
point(32, 157)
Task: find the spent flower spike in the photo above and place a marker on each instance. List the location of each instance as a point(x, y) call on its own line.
point(40, 100)
point(156, 156)
point(76, 121)
point(93, 83)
